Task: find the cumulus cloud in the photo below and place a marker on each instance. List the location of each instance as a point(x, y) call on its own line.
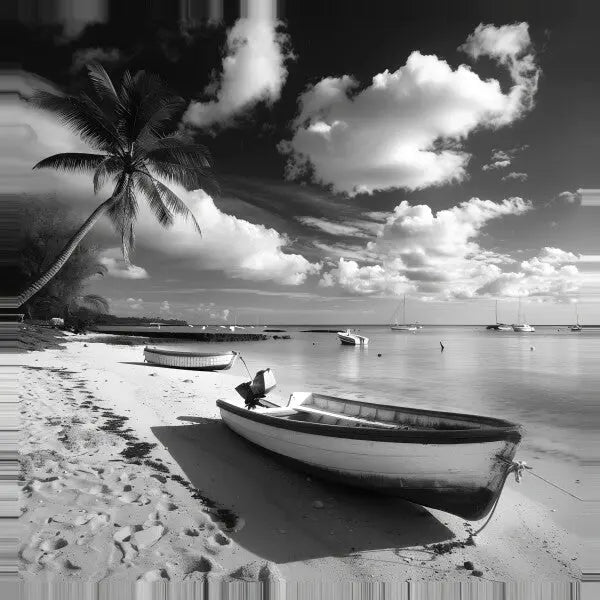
point(241, 249)
point(117, 267)
point(515, 176)
point(438, 256)
point(165, 306)
point(405, 129)
point(254, 69)
point(433, 253)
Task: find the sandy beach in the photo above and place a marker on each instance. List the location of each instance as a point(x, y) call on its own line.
point(129, 475)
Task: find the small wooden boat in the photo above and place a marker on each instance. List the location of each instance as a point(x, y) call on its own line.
point(184, 359)
point(453, 462)
point(351, 339)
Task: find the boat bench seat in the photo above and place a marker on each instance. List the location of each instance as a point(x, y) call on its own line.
point(357, 420)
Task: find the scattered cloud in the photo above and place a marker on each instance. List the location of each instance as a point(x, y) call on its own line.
point(500, 159)
point(134, 304)
point(405, 129)
point(351, 228)
point(565, 198)
point(165, 306)
point(254, 69)
point(515, 176)
point(237, 247)
point(117, 267)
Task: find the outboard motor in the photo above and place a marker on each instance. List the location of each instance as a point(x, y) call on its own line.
point(259, 387)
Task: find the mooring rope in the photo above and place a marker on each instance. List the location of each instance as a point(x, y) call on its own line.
point(518, 467)
point(522, 465)
point(247, 369)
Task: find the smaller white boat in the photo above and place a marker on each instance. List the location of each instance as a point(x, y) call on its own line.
point(404, 326)
point(521, 326)
point(184, 359)
point(352, 339)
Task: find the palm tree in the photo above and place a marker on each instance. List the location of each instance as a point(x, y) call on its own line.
point(134, 130)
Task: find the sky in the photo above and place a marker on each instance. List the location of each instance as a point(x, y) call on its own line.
point(365, 151)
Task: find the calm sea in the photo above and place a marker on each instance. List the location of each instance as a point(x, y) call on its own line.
point(549, 380)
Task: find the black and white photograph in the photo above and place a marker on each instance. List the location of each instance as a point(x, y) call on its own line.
point(305, 298)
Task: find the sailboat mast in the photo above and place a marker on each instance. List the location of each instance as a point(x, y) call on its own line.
point(404, 311)
point(496, 312)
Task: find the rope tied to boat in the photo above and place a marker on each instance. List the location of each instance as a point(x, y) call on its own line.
point(518, 467)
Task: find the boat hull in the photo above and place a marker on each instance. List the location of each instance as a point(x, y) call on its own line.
point(352, 339)
point(166, 357)
point(523, 328)
point(464, 479)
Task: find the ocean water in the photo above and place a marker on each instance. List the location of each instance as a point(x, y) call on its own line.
point(548, 381)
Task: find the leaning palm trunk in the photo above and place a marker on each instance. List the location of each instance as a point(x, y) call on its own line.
point(63, 257)
point(135, 132)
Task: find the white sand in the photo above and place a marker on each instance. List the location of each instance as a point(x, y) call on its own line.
point(89, 513)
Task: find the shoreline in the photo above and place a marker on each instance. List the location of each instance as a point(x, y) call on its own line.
point(130, 474)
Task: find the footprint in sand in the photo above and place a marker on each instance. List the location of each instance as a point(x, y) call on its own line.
point(155, 575)
point(215, 542)
point(53, 544)
point(199, 566)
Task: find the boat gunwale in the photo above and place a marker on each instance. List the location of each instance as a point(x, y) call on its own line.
point(498, 430)
point(189, 353)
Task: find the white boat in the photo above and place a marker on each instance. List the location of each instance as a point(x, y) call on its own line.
point(521, 326)
point(499, 326)
point(452, 462)
point(183, 359)
point(577, 326)
point(352, 339)
point(404, 326)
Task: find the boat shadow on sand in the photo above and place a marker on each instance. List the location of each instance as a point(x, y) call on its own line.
point(287, 515)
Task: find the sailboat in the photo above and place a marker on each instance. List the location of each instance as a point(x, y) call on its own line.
point(522, 327)
point(499, 326)
point(577, 326)
point(402, 326)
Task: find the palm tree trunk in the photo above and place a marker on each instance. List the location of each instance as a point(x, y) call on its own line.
point(62, 258)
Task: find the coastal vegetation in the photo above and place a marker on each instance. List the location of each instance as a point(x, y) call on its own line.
point(133, 128)
point(46, 227)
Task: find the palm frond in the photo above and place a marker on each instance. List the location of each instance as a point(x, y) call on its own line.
point(173, 148)
point(192, 178)
point(160, 122)
point(95, 301)
point(147, 188)
point(111, 166)
point(102, 83)
point(174, 203)
point(71, 162)
point(142, 97)
point(82, 116)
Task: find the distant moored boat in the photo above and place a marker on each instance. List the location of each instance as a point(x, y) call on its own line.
point(351, 339)
point(404, 326)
